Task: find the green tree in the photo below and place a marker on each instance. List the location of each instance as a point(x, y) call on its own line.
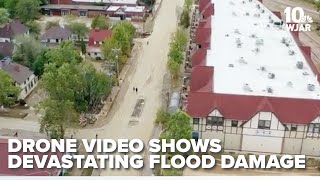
point(34, 27)
point(149, 2)
point(162, 118)
point(61, 83)
point(27, 10)
point(65, 53)
point(185, 19)
point(4, 16)
point(181, 39)
point(51, 24)
point(40, 62)
point(100, 22)
point(26, 50)
point(171, 172)
point(80, 29)
point(178, 127)
point(80, 84)
point(59, 115)
point(8, 91)
point(10, 5)
point(94, 87)
point(188, 4)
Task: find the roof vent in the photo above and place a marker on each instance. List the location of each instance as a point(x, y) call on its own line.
point(258, 6)
point(271, 21)
point(231, 2)
point(234, 14)
point(246, 87)
point(268, 25)
point(237, 31)
point(291, 52)
point(299, 65)
point(257, 15)
point(289, 84)
point(256, 50)
point(270, 89)
point(285, 41)
point(253, 36)
point(262, 11)
point(259, 42)
point(243, 2)
point(305, 73)
point(278, 23)
point(262, 68)
point(239, 43)
point(230, 65)
point(242, 61)
point(271, 75)
point(270, 17)
point(311, 87)
point(247, 14)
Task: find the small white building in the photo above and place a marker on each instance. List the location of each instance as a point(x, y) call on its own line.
point(22, 75)
point(256, 88)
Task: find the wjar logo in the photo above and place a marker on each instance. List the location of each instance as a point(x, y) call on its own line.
point(296, 20)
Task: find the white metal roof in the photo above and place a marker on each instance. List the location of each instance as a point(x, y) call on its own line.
point(289, 81)
point(135, 9)
point(109, 1)
point(113, 8)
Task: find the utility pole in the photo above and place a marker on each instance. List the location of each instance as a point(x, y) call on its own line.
point(116, 51)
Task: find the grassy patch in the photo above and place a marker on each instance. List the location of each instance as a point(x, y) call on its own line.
point(13, 114)
point(87, 172)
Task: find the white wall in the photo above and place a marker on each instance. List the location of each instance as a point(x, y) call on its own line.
point(5, 39)
point(28, 86)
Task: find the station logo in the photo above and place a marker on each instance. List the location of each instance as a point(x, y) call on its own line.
point(296, 20)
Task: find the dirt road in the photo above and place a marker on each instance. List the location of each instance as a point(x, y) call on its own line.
point(147, 75)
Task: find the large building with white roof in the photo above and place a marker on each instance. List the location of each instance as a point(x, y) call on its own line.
point(253, 84)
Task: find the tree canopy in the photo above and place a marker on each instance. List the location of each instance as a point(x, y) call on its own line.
point(8, 91)
point(122, 37)
point(80, 29)
point(178, 127)
point(176, 52)
point(4, 16)
point(59, 115)
point(27, 49)
point(100, 22)
point(27, 10)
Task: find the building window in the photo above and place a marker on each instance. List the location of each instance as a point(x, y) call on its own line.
point(294, 127)
point(26, 90)
point(215, 121)
point(83, 13)
point(234, 123)
point(314, 128)
point(89, 54)
point(57, 40)
point(264, 124)
point(95, 54)
point(195, 135)
point(195, 120)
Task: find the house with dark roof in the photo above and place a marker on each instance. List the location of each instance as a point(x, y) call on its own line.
point(22, 75)
point(12, 29)
point(56, 35)
point(6, 49)
point(253, 84)
point(7, 35)
point(96, 38)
